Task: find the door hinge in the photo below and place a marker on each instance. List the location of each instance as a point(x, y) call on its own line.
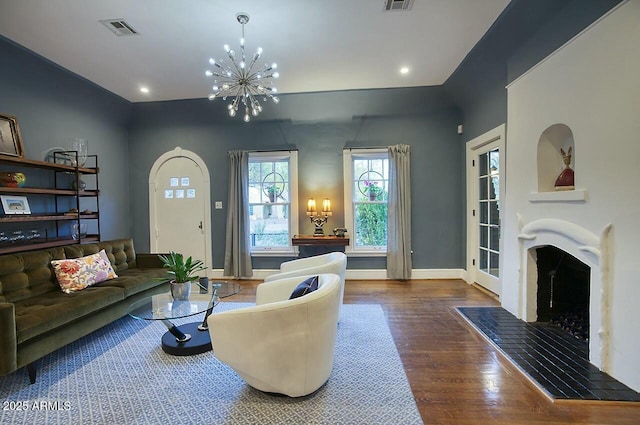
point(473, 162)
point(473, 262)
point(473, 212)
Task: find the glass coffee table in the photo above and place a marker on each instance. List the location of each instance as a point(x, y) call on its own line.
point(190, 338)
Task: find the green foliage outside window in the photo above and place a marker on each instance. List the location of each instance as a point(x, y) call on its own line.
point(371, 224)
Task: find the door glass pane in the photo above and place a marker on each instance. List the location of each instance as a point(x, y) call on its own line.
point(494, 238)
point(483, 161)
point(484, 260)
point(494, 185)
point(489, 211)
point(494, 268)
point(484, 236)
point(484, 212)
point(494, 214)
point(482, 190)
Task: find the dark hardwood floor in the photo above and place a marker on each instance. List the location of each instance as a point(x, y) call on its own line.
point(455, 375)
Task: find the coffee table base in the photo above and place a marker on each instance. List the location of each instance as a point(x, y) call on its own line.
point(200, 341)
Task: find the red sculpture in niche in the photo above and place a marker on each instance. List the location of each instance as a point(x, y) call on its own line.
point(565, 180)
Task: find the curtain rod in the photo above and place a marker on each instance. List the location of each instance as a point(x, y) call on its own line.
point(363, 147)
point(267, 150)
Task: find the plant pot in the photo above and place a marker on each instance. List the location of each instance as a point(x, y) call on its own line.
point(373, 196)
point(180, 291)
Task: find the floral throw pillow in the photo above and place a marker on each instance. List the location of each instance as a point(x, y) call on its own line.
point(79, 273)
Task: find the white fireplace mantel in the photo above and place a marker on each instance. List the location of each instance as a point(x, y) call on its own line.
point(589, 248)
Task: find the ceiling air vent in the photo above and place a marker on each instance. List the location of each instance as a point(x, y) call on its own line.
point(119, 27)
point(390, 5)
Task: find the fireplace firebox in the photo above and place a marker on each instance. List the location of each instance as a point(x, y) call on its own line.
point(563, 291)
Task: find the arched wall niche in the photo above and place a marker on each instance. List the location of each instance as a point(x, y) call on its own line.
point(550, 163)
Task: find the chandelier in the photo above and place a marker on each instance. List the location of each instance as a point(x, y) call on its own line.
point(238, 79)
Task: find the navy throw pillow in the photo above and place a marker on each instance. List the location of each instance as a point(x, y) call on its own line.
point(306, 287)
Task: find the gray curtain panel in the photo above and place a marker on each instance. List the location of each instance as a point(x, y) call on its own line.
point(399, 213)
point(237, 258)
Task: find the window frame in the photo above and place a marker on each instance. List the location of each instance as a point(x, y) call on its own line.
point(293, 218)
point(349, 155)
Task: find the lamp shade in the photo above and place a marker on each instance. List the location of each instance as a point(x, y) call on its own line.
point(326, 206)
point(311, 207)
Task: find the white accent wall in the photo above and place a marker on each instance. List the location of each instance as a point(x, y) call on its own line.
point(592, 85)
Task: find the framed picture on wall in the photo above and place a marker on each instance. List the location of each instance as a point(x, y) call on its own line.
point(15, 204)
point(10, 139)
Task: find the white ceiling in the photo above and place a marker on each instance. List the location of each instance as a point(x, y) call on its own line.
point(319, 45)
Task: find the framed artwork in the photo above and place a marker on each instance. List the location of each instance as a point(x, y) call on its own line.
point(15, 204)
point(10, 138)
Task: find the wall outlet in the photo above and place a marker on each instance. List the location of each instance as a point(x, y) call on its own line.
point(218, 205)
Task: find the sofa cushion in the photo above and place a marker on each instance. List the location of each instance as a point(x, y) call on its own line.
point(307, 286)
point(137, 280)
point(40, 314)
point(28, 274)
point(77, 274)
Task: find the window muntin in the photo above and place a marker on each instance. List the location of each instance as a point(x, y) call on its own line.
point(367, 172)
point(272, 201)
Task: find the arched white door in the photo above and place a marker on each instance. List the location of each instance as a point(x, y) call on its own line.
point(179, 206)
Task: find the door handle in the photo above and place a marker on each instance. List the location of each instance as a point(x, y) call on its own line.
point(200, 226)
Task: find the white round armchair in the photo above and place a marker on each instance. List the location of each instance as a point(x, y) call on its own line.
point(333, 262)
point(281, 345)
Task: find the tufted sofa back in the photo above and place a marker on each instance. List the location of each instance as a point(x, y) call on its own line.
point(121, 253)
point(29, 274)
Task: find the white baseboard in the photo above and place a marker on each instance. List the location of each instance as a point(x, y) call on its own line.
point(363, 274)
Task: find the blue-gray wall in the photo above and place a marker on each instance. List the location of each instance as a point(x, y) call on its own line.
point(52, 107)
point(319, 125)
point(525, 33)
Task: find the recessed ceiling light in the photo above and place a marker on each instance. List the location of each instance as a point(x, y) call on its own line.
point(144, 89)
point(404, 70)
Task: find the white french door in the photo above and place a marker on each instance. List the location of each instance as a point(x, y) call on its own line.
point(485, 196)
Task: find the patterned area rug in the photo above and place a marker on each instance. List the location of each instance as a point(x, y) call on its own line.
point(120, 375)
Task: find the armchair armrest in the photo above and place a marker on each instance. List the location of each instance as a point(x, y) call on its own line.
point(302, 263)
point(148, 261)
point(8, 339)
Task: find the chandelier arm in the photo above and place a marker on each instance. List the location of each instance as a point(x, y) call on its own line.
point(255, 104)
point(252, 63)
point(235, 102)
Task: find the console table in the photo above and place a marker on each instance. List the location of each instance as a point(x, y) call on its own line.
point(315, 245)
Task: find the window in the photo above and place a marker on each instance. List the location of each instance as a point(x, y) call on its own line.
point(366, 176)
point(273, 208)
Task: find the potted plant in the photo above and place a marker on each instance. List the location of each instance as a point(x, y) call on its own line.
point(373, 190)
point(272, 192)
point(183, 273)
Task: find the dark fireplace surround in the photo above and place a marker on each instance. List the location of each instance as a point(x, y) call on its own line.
point(563, 291)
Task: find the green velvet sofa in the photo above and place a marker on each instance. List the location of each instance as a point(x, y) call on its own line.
point(37, 318)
